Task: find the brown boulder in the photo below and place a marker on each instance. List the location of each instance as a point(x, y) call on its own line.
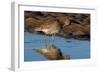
point(76, 29)
point(31, 24)
point(63, 20)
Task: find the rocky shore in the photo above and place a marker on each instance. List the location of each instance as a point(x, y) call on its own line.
point(74, 25)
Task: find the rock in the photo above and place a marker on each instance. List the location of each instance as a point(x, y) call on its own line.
point(29, 14)
point(61, 24)
point(31, 24)
point(53, 14)
point(60, 17)
point(76, 30)
point(63, 20)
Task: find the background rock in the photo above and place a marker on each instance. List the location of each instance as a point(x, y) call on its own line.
point(62, 24)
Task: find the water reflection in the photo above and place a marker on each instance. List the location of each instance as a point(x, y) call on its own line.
point(77, 49)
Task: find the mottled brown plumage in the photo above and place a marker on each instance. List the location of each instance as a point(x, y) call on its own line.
point(52, 53)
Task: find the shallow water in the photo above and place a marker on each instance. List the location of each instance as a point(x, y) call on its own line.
point(77, 49)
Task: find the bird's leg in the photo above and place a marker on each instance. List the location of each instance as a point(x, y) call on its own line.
point(46, 43)
point(53, 35)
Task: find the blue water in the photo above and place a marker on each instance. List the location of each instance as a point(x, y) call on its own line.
point(77, 49)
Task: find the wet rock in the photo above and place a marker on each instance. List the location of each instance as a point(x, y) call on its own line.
point(61, 24)
point(31, 24)
point(29, 14)
point(76, 30)
point(63, 20)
